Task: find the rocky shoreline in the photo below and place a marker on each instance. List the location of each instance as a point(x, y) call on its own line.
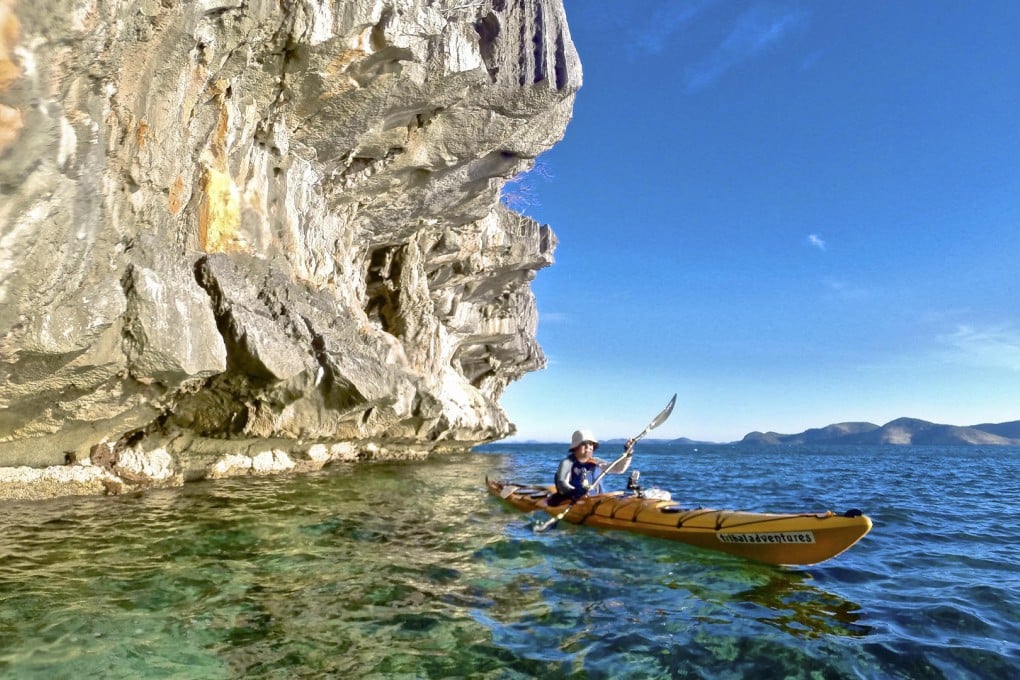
point(113, 471)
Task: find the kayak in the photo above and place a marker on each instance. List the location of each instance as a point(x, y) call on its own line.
point(773, 538)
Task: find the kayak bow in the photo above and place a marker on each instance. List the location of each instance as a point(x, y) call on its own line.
point(796, 539)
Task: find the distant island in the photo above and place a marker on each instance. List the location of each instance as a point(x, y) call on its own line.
point(902, 431)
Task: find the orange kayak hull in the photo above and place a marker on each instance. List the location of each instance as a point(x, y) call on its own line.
point(773, 538)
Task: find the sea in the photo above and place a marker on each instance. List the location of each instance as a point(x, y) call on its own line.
point(411, 570)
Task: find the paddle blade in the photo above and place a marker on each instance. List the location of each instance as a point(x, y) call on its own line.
point(661, 418)
point(548, 524)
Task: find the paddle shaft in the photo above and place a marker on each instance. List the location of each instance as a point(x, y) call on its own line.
point(658, 420)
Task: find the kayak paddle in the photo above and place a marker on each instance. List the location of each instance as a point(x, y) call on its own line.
point(658, 420)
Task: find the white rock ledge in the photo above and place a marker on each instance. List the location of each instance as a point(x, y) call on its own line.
point(133, 470)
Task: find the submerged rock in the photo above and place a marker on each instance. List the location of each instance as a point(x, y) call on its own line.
point(267, 231)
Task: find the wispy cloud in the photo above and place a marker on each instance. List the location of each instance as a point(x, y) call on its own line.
point(754, 32)
point(816, 241)
point(990, 347)
point(664, 22)
point(844, 291)
point(553, 317)
point(809, 61)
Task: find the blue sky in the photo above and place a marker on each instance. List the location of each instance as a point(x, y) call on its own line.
point(789, 213)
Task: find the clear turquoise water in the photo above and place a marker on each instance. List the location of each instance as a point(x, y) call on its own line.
point(389, 570)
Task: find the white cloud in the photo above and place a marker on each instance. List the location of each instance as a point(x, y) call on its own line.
point(664, 22)
point(553, 317)
point(991, 347)
point(816, 241)
point(750, 34)
point(753, 32)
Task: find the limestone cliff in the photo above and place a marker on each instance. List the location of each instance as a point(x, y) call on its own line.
point(243, 235)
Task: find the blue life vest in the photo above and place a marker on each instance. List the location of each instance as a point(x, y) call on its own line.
point(579, 473)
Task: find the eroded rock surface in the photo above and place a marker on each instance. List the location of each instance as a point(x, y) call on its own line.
point(239, 236)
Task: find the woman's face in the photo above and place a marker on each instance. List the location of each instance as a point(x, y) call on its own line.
point(583, 451)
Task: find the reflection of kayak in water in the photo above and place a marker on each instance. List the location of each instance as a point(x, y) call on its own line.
point(798, 608)
point(802, 538)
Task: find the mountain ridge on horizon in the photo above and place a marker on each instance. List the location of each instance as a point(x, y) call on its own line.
point(901, 431)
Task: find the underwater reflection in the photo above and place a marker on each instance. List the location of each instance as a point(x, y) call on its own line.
point(804, 610)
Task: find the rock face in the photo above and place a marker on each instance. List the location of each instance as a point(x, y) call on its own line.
point(240, 228)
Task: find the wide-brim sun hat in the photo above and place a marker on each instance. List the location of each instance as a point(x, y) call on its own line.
point(582, 436)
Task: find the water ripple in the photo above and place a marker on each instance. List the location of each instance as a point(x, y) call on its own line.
point(328, 575)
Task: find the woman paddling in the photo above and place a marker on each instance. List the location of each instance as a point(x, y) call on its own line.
point(576, 473)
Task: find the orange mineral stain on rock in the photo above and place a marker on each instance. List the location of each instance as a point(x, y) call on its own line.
point(11, 119)
point(175, 198)
point(10, 31)
point(11, 123)
point(143, 129)
point(219, 216)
